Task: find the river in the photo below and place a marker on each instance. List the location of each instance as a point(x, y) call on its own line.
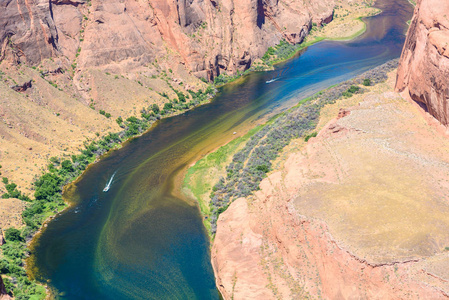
point(142, 239)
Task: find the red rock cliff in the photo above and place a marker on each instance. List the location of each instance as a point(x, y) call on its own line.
point(209, 37)
point(424, 67)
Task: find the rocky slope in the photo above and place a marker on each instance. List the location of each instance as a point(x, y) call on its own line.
point(337, 220)
point(64, 61)
point(70, 68)
point(424, 68)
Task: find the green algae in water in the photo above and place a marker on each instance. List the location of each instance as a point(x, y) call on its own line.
point(142, 239)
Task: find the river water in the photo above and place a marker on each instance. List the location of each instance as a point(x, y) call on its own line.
point(143, 239)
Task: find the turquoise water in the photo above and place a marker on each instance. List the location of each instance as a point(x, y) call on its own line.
point(142, 239)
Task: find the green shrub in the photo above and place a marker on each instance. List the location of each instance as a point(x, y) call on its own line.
point(209, 90)
point(54, 160)
point(270, 51)
point(12, 191)
point(366, 82)
point(353, 89)
point(181, 97)
point(155, 108)
point(13, 235)
point(263, 168)
point(309, 136)
point(67, 166)
point(4, 266)
point(132, 120)
point(119, 121)
point(347, 94)
point(47, 186)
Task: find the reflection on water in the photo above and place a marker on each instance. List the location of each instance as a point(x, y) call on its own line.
point(140, 240)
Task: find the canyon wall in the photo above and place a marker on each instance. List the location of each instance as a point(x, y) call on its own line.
point(338, 218)
point(424, 67)
point(208, 37)
point(64, 62)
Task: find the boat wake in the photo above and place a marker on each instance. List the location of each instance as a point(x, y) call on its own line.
point(278, 76)
point(272, 80)
point(108, 185)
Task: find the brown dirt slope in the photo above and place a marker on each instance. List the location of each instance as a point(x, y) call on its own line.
point(361, 211)
point(58, 58)
point(61, 62)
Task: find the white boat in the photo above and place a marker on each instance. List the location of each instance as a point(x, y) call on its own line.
point(108, 185)
point(270, 81)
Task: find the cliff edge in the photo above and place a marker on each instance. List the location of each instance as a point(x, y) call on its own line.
point(207, 37)
point(70, 68)
point(338, 218)
point(424, 67)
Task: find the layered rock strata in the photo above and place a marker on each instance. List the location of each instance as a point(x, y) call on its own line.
point(339, 219)
point(424, 67)
point(208, 37)
point(62, 62)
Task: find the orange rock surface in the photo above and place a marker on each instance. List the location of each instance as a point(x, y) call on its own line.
point(207, 37)
point(424, 67)
point(62, 62)
point(360, 212)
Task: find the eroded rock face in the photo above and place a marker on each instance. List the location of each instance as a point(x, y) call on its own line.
point(424, 67)
point(338, 219)
point(207, 37)
point(29, 28)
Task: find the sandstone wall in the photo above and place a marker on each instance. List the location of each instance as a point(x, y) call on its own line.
point(338, 218)
point(207, 36)
point(424, 67)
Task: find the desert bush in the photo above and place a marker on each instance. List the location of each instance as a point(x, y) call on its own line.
point(12, 234)
point(309, 136)
point(155, 108)
point(366, 82)
point(250, 165)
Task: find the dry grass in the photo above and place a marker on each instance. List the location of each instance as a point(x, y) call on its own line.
point(381, 183)
point(11, 213)
point(346, 23)
point(61, 111)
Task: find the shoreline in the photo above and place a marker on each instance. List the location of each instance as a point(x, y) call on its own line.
point(117, 147)
point(28, 265)
point(67, 186)
point(302, 46)
point(187, 192)
point(266, 216)
point(269, 65)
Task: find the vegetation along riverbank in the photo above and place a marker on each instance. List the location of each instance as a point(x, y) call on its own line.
point(347, 24)
point(61, 170)
point(236, 169)
point(48, 189)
